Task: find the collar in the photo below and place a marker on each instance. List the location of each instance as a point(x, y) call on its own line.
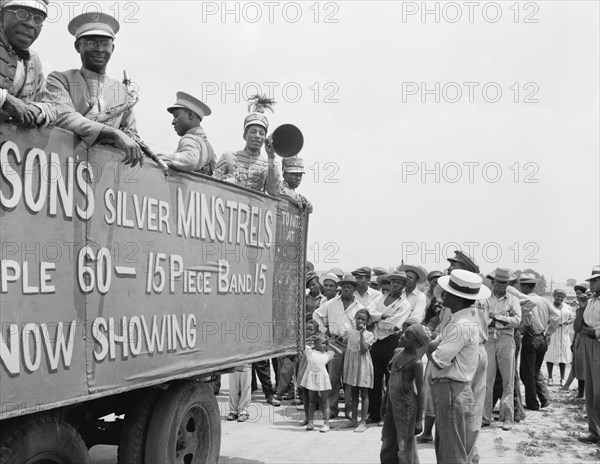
point(196, 131)
point(463, 312)
point(89, 74)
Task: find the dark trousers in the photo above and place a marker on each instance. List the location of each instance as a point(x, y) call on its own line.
point(263, 371)
point(533, 349)
point(382, 352)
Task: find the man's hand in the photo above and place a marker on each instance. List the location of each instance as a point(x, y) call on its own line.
point(548, 338)
point(133, 152)
point(418, 427)
point(21, 113)
point(269, 148)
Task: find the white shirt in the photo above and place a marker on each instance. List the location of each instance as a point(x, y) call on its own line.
point(457, 352)
point(396, 314)
point(591, 315)
point(418, 304)
point(332, 315)
point(368, 297)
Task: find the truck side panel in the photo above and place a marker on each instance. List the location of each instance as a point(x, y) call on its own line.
point(115, 277)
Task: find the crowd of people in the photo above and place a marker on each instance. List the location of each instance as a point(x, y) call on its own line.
point(99, 109)
point(481, 337)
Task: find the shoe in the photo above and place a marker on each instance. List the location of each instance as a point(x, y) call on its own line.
point(424, 439)
point(310, 426)
point(231, 416)
point(325, 428)
point(545, 404)
point(537, 408)
point(304, 422)
point(333, 415)
point(373, 420)
point(485, 424)
point(296, 401)
point(242, 417)
point(550, 382)
point(380, 423)
point(361, 428)
point(273, 401)
point(508, 425)
point(589, 439)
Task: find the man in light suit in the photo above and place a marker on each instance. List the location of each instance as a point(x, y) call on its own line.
point(80, 94)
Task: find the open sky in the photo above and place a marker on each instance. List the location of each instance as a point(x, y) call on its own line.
point(428, 126)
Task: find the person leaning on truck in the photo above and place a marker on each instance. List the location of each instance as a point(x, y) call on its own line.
point(81, 95)
point(22, 82)
point(194, 151)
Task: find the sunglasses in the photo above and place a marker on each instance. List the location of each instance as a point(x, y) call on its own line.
point(24, 15)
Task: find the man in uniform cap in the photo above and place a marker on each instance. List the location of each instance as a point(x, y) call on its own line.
point(453, 369)
point(364, 294)
point(462, 260)
point(389, 313)
point(589, 332)
point(336, 319)
point(538, 322)
point(249, 167)
point(194, 152)
point(416, 298)
point(293, 169)
point(22, 83)
point(80, 95)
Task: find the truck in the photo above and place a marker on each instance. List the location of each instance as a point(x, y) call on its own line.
point(124, 292)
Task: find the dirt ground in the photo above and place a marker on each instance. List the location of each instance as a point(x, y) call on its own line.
point(274, 436)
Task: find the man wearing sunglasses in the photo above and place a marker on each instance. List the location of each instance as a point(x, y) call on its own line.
point(22, 82)
point(80, 95)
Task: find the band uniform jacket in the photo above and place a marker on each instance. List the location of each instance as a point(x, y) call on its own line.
point(194, 153)
point(32, 87)
point(72, 94)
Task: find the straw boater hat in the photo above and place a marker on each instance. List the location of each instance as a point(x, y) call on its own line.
point(348, 279)
point(186, 101)
point(257, 106)
point(502, 274)
point(40, 5)
point(94, 23)
point(465, 284)
point(528, 278)
point(421, 273)
point(595, 274)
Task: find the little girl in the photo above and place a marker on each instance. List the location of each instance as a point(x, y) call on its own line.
point(316, 379)
point(358, 368)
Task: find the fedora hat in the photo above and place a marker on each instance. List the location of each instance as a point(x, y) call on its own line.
point(310, 276)
point(397, 275)
point(465, 284)
point(584, 287)
point(502, 274)
point(528, 278)
point(595, 274)
point(348, 279)
point(434, 275)
point(421, 273)
point(466, 260)
point(188, 102)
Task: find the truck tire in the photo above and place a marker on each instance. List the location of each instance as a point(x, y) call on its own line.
point(132, 442)
point(43, 440)
point(185, 427)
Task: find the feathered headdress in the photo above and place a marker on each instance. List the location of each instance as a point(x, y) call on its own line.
point(256, 107)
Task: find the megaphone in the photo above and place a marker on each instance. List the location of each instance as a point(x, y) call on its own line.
point(287, 140)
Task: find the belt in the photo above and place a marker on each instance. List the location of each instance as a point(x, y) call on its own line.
point(529, 332)
point(445, 380)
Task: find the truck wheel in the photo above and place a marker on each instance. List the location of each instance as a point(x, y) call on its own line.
point(132, 441)
point(185, 427)
point(43, 440)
